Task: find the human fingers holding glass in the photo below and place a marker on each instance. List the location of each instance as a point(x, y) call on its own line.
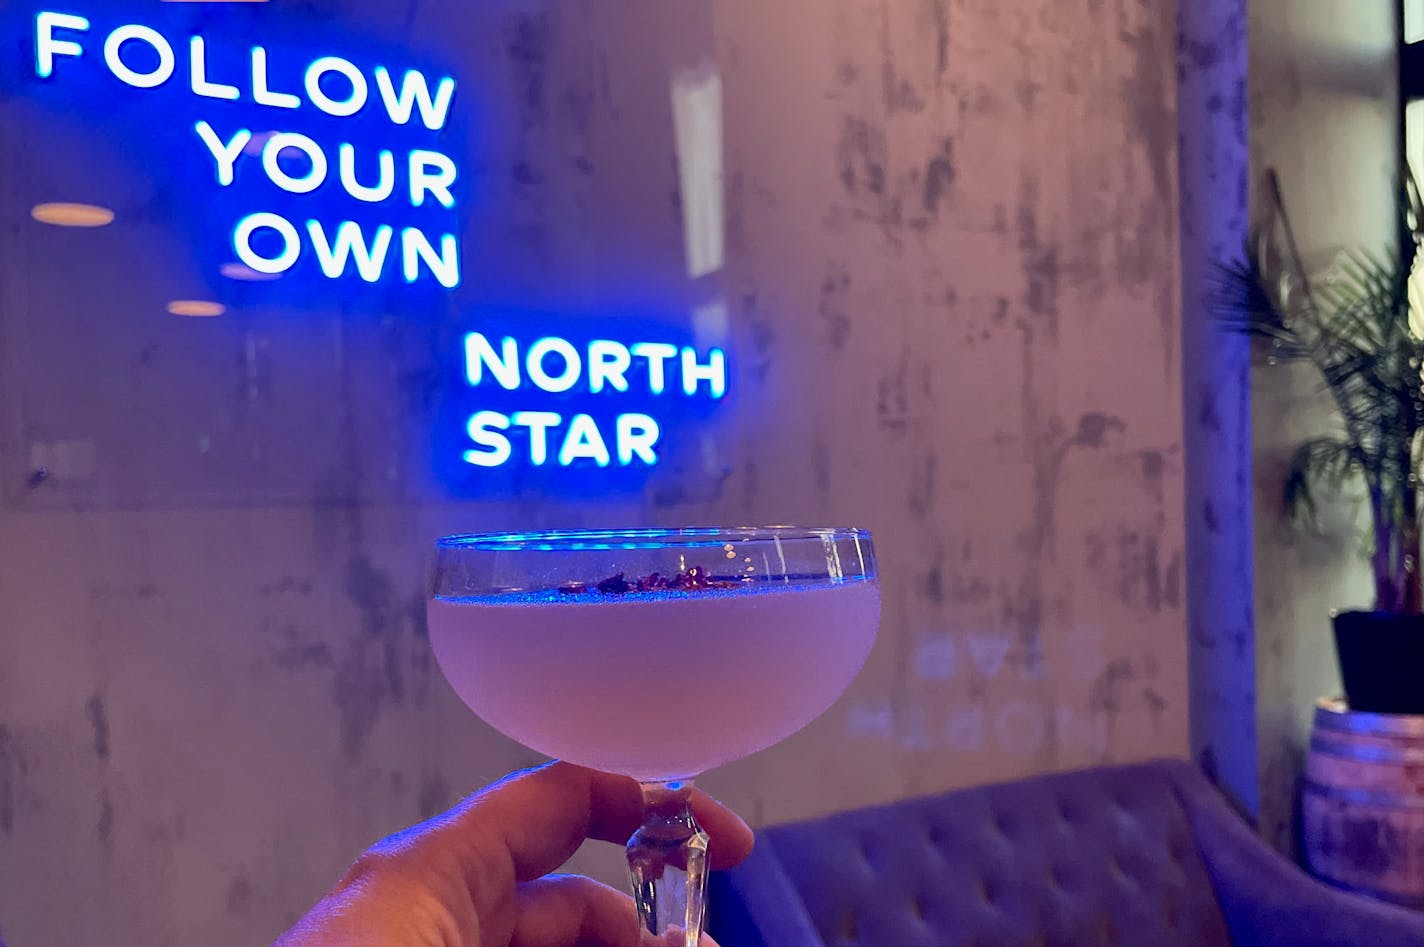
point(478, 875)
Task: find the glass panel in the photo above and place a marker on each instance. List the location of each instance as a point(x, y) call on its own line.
point(245, 251)
point(1413, 21)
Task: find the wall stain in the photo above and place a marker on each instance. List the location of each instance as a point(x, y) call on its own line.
point(1093, 428)
point(1156, 705)
point(300, 656)
point(939, 176)
point(1039, 261)
point(1023, 612)
point(1153, 466)
point(1139, 570)
point(287, 585)
point(241, 895)
point(434, 796)
point(1095, 548)
point(371, 672)
point(1106, 693)
point(892, 396)
point(833, 310)
point(99, 723)
point(104, 826)
point(932, 583)
point(898, 93)
point(1172, 585)
point(922, 484)
point(861, 157)
point(939, 11)
point(1149, 98)
point(528, 45)
point(13, 770)
point(1152, 572)
point(1026, 94)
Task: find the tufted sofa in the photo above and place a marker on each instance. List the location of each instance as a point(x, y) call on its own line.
point(1145, 855)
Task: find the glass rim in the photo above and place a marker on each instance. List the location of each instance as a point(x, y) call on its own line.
point(643, 537)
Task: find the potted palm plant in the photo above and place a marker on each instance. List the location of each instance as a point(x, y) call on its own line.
point(1361, 326)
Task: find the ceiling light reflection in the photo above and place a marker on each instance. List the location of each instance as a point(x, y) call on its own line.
point(61, 214)
point(196, 307)
point(241, 271)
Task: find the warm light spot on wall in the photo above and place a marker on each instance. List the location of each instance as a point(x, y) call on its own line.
point(241, 271)
point(72, 215)
point(196, 307)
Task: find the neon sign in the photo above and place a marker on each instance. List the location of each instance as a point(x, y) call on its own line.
point(292, 162)
point(653, 371)
point(348, 170)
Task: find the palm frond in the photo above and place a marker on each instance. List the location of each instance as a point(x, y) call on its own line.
point(1328, 462)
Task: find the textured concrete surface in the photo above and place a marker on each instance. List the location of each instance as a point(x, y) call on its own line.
point(951, 288)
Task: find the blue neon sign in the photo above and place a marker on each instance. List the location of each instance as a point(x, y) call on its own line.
point(270, 239)
point(632, 372)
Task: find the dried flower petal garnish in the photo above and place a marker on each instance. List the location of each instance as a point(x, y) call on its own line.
point(695, 579)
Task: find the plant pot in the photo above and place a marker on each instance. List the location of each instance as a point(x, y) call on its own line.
point(1362, 802)
point(1381, 661)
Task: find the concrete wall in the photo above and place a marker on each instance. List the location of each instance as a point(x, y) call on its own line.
point(950, 287)
point(1323, 115)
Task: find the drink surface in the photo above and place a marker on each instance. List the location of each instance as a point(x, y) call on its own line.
point(657, 685)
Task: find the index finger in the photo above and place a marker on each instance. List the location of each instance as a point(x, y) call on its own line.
point(530, 823)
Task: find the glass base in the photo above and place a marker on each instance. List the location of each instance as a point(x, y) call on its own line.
point(667, 865)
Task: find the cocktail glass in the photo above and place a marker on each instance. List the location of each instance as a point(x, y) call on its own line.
point(656, 654)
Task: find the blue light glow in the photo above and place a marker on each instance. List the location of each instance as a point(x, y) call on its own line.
point(134, 32)
point(225, 154)
point(538, 423)
point(583, 442)
point(657, 354)
point(608, 364)
point(248, 227)
point(503, 365)
point(445, 266)
point(437, 184)
point(534, 364)
point(370, 194)
point(553, 366)
point(357, 168)
point(262, 93)
point(47, 47)
point(714, 372)
point(483, 429)
point(271, 163)
point(360, 91)
point(198, 67)
point(415, 91)
point(637, 437)
point(350, 243)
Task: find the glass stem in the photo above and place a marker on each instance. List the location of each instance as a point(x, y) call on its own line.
point(667, 862)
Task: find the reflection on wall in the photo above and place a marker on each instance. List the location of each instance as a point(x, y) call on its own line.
point(936, 241)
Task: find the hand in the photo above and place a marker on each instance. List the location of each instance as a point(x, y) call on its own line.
point(477, 876)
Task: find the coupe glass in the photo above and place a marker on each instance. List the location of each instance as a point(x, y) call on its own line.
point(657, 654)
